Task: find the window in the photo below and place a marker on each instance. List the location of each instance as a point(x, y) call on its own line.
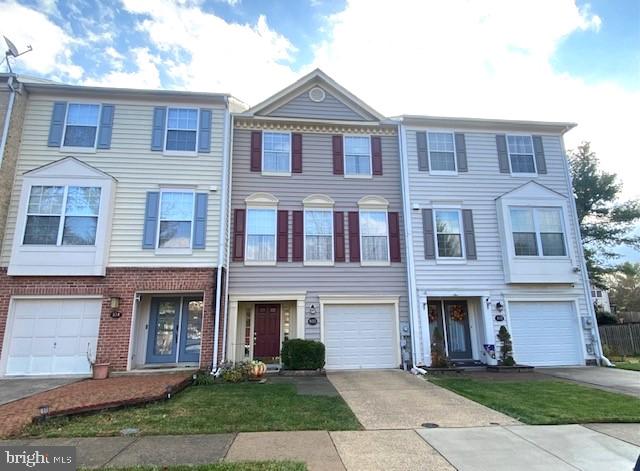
point(182, 129)
point(442, 152)
point(81, 128)
point(276, 152)
point(448, 233)
point(538, 231)
point(357, 156)
point(261, 235)
point(374, 240)
point(318, 236)
point(176, 218)
point(521, 154)
point(58, 215)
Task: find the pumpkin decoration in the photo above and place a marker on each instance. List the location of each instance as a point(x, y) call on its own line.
point(432, 313)
point(257, 369)
point(457, 313)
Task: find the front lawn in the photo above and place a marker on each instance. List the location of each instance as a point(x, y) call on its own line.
point(546, 401)
point(216, 408)
point(243, 466)
point(627, 363)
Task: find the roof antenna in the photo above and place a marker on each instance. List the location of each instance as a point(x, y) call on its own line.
point(13, 52)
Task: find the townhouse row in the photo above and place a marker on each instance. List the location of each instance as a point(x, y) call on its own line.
point(150, 229)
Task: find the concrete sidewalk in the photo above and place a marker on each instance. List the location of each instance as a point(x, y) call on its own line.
point(609, 379)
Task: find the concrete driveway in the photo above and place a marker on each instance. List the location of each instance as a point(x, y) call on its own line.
point(394, 399)
point(610, 379)
point(12, 389)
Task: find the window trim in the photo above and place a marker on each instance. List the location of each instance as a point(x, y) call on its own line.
point(330, 262)
point(62, 215)
point(533, 155)
point(344, 157)
point(170, 152)
point(175, 250)
point(536, 227)
point(80, 149)
point(455, 154)
point(374, 263)
point(463, 247)
point(273, 208)
point(270, 172)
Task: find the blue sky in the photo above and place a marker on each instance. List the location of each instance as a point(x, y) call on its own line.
point(562, 60)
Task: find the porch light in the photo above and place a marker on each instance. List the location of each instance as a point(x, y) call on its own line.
point(312, 309)
point(499, 306)
point(115, 303)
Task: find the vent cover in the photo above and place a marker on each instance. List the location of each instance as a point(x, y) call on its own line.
point(316, 94)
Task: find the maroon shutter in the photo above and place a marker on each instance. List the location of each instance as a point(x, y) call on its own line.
point(394, 237)
point(238, 235)
point(296, 153)
point(354, 236)
point(376, 155)
point(283, 236)
point(338, 156)
point(256, 151)
point(298, 236)
point(338, 236)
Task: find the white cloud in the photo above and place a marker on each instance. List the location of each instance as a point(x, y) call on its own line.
point(482, 59)
point(146, 74)
point(52, 46)
point(249, 60)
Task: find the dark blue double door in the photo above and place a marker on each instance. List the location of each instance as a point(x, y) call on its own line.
point(175, 330)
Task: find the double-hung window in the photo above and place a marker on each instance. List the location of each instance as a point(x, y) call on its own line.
point(318, 235)
point(448, 233)
point(374, 236)
point(182, 129)
point(521, 155)
point(176, 219)
point(61, 215)
point(442, 155)
point(261, 235)
point(357, 156)
point(538, 231)
point(81, 127)
point(276, 152)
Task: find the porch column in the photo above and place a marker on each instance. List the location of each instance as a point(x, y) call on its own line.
point(487, 322)
point(232, 328)
point(424, 335)
point(300, 318)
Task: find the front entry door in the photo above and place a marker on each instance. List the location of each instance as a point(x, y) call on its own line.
point(266, 343)
point(175, 330)
point(456, 317)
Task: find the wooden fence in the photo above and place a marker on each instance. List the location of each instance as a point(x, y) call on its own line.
point(622, 339)
point(628, 316)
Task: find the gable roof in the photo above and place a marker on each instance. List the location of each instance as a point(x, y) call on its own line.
point(317, 76)
point(68, 167)
point(532, 189)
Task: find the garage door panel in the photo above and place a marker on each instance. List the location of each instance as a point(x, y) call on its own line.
point(23, 327)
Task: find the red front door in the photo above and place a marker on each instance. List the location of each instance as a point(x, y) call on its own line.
point(267, 331)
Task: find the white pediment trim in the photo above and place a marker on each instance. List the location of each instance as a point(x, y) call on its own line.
point(69, 168)
point(318, 201)
point(532, 191)
point(373, 202)
point(261, 199)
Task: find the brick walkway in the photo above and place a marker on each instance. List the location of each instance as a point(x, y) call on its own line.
point(89, 395)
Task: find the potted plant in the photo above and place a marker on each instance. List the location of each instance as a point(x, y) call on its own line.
point(506, 349)
point(100, 370)
point(438, 357)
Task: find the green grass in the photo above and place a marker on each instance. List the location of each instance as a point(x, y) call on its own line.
point(242, 466)
point(218, 408)
point(547, 401)
point(627, 363)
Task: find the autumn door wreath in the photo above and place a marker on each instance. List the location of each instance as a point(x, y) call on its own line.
point(457, 313)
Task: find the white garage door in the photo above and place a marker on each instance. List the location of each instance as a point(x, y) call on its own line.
point(360, 336)
point(545, 333)
point(52, 336)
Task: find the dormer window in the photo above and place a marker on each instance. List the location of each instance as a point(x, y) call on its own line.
point(81, 127)
point(538, 231)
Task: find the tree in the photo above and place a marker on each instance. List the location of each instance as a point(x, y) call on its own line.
point(605, 222)
point(625, 291)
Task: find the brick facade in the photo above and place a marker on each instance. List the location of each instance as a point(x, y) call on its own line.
point(124, 283)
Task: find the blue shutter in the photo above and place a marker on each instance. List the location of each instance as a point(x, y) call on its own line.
point(200, 222)
point(106, 126)
point(151, 220)
point(57, 123)
point(204, 136)
point(157, 134)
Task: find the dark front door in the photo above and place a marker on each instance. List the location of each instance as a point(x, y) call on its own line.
point(456, 317)
point(267, 331)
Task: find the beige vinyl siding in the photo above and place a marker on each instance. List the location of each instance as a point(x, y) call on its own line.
point(344, 278)
point(137, 169)
point(303, 107)
point(477, 190)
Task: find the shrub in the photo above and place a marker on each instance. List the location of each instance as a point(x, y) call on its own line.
point(605, 318)
point(299, 354)
point(203, 378)
point(438, 358)
point(506, 349)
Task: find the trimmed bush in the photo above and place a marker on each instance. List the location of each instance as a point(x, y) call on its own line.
point(299, 354)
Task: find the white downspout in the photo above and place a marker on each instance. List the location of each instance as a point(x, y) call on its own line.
point(228, 234)
point(7, 118)
point(222, 235)
point(583, 262)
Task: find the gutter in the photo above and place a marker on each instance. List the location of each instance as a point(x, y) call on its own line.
point(229, 144)
point(583, 264)
point(7, 118)
point(222, 235)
